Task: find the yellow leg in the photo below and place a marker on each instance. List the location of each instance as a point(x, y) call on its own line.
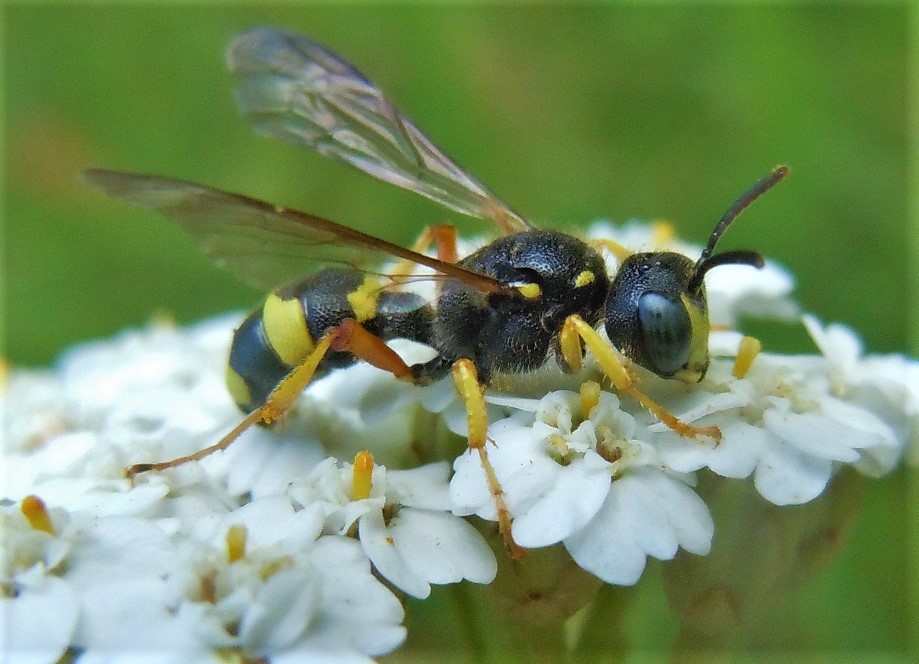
point(616, 249)
point(612, 366)
point(572, 347)
point(466, 379)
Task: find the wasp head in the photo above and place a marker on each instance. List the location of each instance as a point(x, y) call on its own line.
point(656, 311)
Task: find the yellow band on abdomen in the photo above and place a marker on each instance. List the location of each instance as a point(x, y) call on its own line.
point(285, 327)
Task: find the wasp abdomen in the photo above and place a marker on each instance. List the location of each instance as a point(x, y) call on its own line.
point(281, 334)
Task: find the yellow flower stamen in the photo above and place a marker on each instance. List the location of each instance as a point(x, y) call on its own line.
point(362, 476)
point(236, 542)
point(662, 233)
point(34, 510)
point(559, 445)
point(746, 353)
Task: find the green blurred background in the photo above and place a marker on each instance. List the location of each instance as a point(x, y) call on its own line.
point(569, 114)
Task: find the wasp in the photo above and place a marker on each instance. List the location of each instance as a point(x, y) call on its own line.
point(528, 298)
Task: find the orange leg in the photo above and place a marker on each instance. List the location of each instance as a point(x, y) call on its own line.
point(466, 379)
point(442, 236)
point(349, 336)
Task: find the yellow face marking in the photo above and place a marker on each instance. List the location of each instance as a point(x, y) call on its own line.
point(586, 277)
point(530, 291)
point(697, 364)
point(238, 389)
point(285, 327)
point(363, 299)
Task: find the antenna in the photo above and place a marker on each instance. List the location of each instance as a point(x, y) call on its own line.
point(743, 256)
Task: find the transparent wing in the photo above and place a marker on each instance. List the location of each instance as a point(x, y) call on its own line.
point(296, 90)
point(264, 244)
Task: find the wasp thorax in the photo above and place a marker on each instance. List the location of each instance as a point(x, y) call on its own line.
point(551, 276)
point(655, 320)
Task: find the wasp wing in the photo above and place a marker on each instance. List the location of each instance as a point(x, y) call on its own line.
point(266, 245)
point(298, 91)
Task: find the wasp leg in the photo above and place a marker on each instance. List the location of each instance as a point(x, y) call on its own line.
point(466, 379)
point(442, 236)
point(613, 367)
point(349, 336)
point(613, 247)
point(662, 235)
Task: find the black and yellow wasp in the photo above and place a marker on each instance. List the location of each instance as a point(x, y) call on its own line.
point(527, 298)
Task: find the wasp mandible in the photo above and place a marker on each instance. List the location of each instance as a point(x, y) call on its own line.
point(527, 298)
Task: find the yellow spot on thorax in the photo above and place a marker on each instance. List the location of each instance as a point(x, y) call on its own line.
point(530, 291)
point(584, 278)
point(362, 476)
point(363, 299)
point(236, 542)
point(285, 327)
point(34, 510)
point(746, 353)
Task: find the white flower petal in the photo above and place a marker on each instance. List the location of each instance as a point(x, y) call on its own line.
point(739, 451)
point(519, 461)
point(526, 404)
point(787, 476)
point(645, 513)
point(573, 499)
point(816, 435)
point(280, 612)
point(379, 546)
point(683, 454)
point(442, 548)
point(425, 487)
point(132, 614)
point(38, 624)
point(264, 462)
point(836, 342)
point(264, 520)
point(357, 609)
point(696, 405)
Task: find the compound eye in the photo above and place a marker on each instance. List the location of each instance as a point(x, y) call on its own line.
point(667, 332)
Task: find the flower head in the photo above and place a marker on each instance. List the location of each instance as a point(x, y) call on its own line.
point(274, 548)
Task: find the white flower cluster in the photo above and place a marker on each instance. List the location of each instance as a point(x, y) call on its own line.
point(276, 549)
